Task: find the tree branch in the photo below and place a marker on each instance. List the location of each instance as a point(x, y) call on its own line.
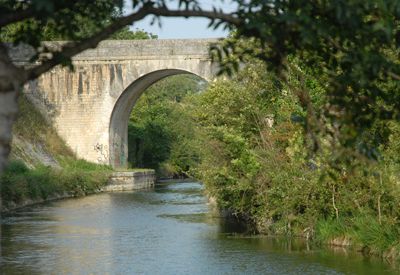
point(73, 48)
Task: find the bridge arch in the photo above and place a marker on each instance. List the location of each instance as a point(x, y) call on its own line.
point(118, 129)
point(89, 107)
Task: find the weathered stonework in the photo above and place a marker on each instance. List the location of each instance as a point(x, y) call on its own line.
point(90, 106)
point(124, 181)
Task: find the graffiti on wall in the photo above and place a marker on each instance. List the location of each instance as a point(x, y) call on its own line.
point(102, 150)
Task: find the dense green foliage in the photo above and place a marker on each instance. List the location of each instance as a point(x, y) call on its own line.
point(255, 160)
point(352, 44)
point(160, 132)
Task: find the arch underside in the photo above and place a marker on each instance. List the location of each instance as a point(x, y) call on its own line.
point(118, 144)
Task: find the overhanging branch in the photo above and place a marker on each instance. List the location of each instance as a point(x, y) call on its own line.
point(73, 48)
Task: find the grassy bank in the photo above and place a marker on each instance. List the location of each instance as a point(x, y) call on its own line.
point(35, 141)
point(20, 184)
point(42, 167)
point(362, 233)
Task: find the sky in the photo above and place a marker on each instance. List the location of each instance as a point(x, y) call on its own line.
point(181, 28)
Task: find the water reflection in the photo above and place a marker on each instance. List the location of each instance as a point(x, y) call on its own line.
point(168, 230)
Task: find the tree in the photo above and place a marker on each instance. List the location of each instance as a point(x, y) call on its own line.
point(126, 34)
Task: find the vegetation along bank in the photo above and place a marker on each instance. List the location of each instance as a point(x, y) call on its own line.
point(247, 139)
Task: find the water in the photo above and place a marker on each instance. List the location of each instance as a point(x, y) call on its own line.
point(169, 230)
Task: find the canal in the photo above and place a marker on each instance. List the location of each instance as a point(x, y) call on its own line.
point(168, 230)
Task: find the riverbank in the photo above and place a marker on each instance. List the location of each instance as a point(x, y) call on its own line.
point(363, 236)
point(21, 186)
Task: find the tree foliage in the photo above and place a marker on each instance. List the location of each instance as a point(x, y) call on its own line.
point(127, 34)
point(56, 20)
point(161, 132)
point(10, 34)
point(353, 44)
point(255, 162)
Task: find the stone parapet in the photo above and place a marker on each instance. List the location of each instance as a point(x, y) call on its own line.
point(126, 50)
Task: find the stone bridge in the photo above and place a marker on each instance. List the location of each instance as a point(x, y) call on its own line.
point(90, 106)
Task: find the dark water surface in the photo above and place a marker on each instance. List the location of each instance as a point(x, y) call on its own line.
point(168, 230)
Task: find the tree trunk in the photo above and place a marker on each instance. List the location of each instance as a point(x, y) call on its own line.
point(8, 113)
point(10, 83)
